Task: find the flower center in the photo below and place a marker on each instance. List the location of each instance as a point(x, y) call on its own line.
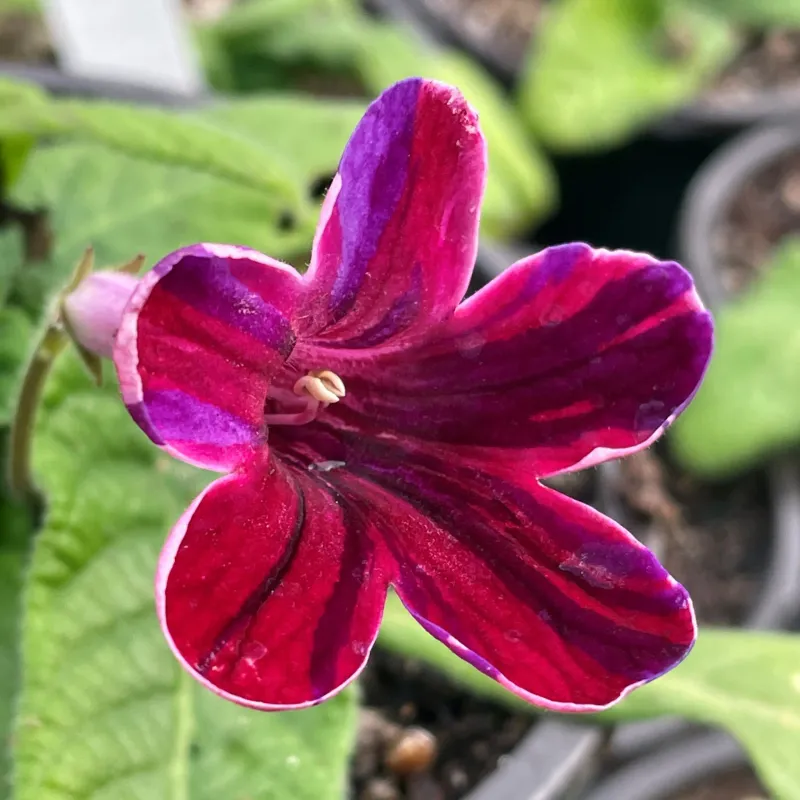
point(314, 391)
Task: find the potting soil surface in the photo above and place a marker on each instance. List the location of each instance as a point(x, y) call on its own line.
point(766, 210)
point(712, 537)
point(741, 784)
point(501, 26)
point(768, 61)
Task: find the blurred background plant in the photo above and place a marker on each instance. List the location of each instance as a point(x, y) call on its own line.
point(598, 115)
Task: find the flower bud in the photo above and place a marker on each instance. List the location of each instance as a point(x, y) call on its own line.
point(92, 312)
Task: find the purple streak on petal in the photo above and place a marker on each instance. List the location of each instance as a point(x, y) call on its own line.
point(399, 316)
point(377, 153)
point(355, 566)
point(138, 412)
point(207, 285)
point(181, 417)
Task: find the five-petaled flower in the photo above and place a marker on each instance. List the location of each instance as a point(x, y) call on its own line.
point(376, 432)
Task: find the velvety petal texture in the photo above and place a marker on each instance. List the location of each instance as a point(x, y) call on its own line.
point(541, 592)
point(423, 474)
point(199, 340)
point(398, 233)
point(571, 357)
point(269, 590)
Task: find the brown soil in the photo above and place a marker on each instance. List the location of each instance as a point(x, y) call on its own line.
point(710, 537)
point(498, 26)
point(766, 210)
point(769, 60)
point(470, 735)
point(739, 785)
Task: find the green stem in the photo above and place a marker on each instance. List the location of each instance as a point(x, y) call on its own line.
point(50, 345)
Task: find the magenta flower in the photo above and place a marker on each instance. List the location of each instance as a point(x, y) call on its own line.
point(374, 432)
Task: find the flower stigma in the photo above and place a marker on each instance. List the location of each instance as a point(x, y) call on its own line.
point(316, 390)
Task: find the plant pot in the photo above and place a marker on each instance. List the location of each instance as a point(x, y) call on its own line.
point(61, 84)
point(500, 60)
point(673, 769)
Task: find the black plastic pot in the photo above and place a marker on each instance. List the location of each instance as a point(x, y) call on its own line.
point(677, 767)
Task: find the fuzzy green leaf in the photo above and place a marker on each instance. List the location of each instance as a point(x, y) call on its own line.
point(601, 69)
point(123, 206)
point(106, 713)
point(166, 137)
point(319, 40)
point(309, 135)
point(16, 337)
point(747, 408)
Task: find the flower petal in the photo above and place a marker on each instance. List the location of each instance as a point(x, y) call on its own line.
point(544, 594)
point(397, 237)
point(571, 357)
point(268, 590)
point(199, 339)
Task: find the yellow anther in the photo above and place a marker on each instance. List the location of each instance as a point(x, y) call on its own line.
point(321, 384)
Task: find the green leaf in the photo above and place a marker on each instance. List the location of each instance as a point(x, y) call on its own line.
point(745, 682)
point(521, 187)
point(307, 134)
point(600, 70)
point(746, 408)
point(167, 137)
point(106, 713)
point(11, 257)
point(758, 13)
point(123, 206)
point(319, 41)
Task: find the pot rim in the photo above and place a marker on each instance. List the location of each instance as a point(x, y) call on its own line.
point(58, 83)
point(679, 766)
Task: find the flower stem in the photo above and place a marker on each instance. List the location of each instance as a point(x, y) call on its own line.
point(53, 341)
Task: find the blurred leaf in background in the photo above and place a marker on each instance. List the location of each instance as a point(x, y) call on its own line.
point(600, 70)
point(747, 683)
point(331, 47)
point(105, 711)
point(747, 406)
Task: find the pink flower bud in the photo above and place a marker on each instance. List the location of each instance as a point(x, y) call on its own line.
point(93, 311)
